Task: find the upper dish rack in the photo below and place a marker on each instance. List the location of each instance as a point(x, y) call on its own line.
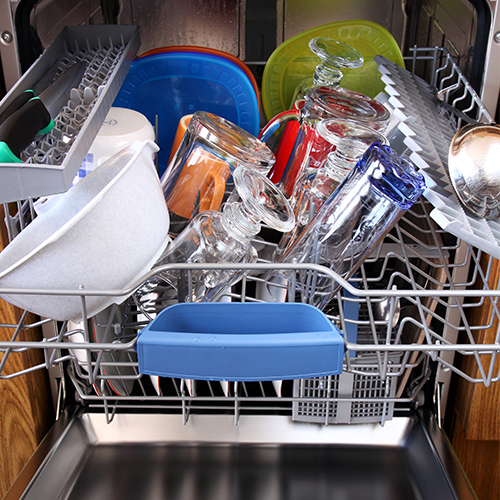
point(412, 304)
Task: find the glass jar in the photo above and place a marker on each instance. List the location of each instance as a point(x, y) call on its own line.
point(301, 147)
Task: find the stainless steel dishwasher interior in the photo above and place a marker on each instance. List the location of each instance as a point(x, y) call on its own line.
point(191, 439)
point(265, 457)
point(367, 433)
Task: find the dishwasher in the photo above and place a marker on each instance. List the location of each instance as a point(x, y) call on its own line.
point(373, 429)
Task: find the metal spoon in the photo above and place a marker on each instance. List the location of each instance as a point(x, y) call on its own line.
point(473, 167)
point(382, 310)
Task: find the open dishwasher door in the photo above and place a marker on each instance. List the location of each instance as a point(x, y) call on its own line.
point(156, 456)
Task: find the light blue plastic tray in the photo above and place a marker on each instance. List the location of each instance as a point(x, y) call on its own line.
point(240, 342)
point(173, 84)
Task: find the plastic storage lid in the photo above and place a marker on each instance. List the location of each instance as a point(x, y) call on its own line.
point(173, 84)
point(208, 50)
point(292, 61)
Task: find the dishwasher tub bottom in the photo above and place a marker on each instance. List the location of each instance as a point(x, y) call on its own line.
point(151, 456)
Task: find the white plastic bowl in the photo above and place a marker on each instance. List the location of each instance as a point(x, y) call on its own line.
point(103, 234)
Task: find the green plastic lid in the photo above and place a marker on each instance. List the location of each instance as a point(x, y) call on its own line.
point(293, 61)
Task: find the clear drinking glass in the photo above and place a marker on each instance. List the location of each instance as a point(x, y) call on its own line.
point(363, 209)
point(349, 140)
point(218, 237)
point(195, 179)
point(301, 147)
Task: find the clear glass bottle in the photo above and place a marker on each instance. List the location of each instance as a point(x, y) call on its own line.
point(356, 217)
point(349, 140)
point(334, 56)
point(218, 237)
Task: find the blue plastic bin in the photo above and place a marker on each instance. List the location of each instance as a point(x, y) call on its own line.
point(240, 342)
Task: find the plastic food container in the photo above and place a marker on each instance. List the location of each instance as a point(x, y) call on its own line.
point(166, 86)
point(240, 342)
point(293, 60)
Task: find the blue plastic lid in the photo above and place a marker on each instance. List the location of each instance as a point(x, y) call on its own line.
point(396, 177)
point(173, 84)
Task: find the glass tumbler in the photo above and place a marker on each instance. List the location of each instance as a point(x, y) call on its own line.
point(349, 140)
point(197, 176)
point(218, 237)
point(364, 208)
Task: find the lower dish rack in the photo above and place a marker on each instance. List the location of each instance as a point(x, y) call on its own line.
point(409, 307)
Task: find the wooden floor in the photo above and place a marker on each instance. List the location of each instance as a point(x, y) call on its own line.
point(26, 412)
point(473, 420)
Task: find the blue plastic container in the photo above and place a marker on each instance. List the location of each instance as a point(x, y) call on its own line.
point(240, 342)
point(173, 84)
